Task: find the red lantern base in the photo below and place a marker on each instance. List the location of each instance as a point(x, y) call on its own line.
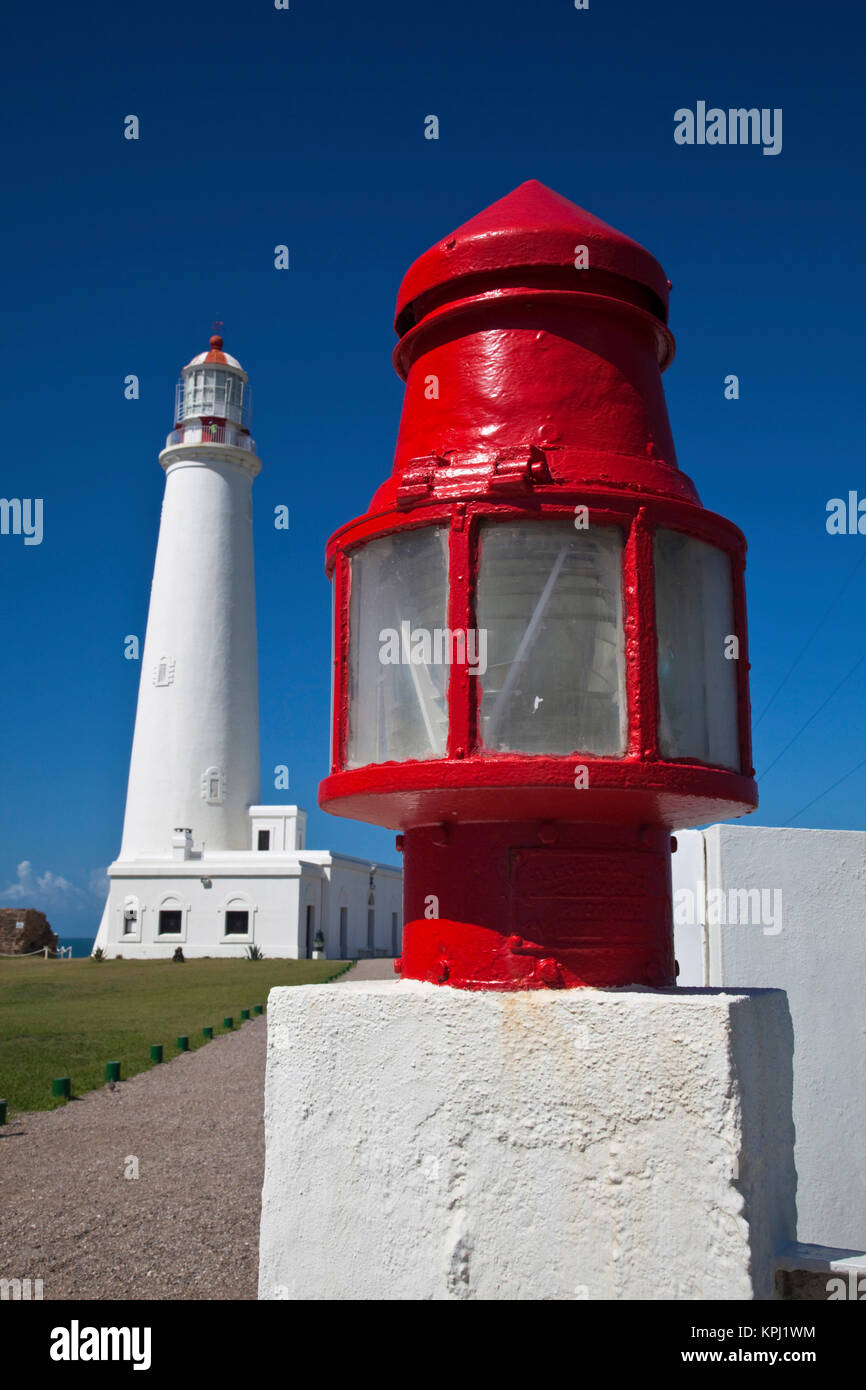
point(543, 904)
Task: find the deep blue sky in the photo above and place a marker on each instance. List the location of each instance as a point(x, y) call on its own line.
point(261, 127)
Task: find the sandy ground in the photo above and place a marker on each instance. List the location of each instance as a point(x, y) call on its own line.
point(188, 1225)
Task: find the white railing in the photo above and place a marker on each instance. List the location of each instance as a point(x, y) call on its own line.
point(211, 434)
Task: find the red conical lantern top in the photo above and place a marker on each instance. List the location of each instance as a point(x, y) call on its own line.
point(530, 228)
point(534, 332)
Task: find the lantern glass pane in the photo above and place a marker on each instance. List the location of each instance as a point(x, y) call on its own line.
point(398, 676)
point(697, 682)
point(549, 600)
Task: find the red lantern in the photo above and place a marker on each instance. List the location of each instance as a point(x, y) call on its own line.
point(540, 660)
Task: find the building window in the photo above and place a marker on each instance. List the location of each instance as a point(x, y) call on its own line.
point(371, 928)
point(264, 839)
point(395, 946)
point(344, 933)
point(237, 923)
point(131, 907)
point(170, 921)
point(311, 927)
point(164, 671)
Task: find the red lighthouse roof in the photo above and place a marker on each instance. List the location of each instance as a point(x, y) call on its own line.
point(530, 227)
point(215, 354)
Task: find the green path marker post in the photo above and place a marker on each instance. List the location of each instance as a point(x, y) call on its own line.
point(156, 1052)
point(257, 1008)
point(61, 1086)
point(228, 1023)
point(112, 1071)
point(2, 1112)
point(207, 1033)
point(245, 1013)
point(183, 1043)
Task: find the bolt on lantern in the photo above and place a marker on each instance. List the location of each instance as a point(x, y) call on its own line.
point(540, 662)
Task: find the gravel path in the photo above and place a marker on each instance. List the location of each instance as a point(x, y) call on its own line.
point(188, 1225)
point(380, 968)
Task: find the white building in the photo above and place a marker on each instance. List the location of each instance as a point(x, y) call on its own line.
point(201, 864)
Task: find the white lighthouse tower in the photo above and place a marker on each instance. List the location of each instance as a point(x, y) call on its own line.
point(195, 754)
point(202, 865)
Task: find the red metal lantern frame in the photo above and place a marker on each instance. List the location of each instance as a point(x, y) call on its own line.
point(479, 783)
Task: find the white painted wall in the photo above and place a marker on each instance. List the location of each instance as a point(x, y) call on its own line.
point(286, 826)
point(350, 887)
point(273, 887)
point(203, 892)
point(816, 952)
point(435, 1143)
point(202, 625)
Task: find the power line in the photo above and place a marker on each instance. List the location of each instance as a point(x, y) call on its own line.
point(834, 600)
point(805, 726)
point(826, 791)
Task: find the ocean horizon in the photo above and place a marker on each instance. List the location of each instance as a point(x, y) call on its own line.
point(81, 945)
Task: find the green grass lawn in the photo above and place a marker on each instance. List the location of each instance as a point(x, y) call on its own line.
point(70, 1017)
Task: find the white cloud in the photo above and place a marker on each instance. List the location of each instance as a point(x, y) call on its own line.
point(49, 891)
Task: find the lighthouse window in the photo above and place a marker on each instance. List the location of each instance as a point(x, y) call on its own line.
point(170, 921)
point(552, 664)
point(212, 788)
point(193, 394)
point(237, 923)
point(398, 670)
point(697, 674)
point(220, 393)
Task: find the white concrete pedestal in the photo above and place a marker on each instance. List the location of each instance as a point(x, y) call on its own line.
point(427, 1143)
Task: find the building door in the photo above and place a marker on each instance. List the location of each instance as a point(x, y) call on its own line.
point(344, 933)
point(395, 949)
point(311, 929)
point(371, 930)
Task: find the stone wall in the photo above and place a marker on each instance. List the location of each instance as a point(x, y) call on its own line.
point(35, 933)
